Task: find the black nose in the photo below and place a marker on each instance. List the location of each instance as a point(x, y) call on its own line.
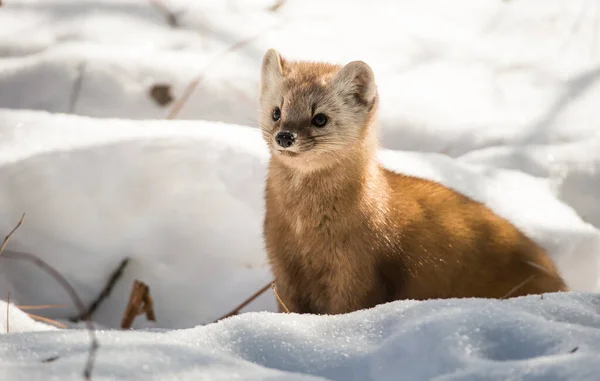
point(285, 139)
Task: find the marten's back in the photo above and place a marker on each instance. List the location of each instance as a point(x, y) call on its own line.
point(453, 246)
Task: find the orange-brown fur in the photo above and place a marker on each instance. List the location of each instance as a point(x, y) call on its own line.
point(342, 233)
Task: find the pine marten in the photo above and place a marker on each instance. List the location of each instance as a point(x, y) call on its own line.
point(342, 233)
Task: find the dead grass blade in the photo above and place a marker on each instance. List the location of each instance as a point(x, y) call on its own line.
point(7, 238)
point(278, 298)
point(517, 287)
point(47, 320)
point(42, 307)
point(237, 309)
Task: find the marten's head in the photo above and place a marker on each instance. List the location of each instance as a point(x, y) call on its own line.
point(313, 114)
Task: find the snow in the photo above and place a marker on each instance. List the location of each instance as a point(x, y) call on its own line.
point(496, 99)
point(13, 320)
point(555, 338)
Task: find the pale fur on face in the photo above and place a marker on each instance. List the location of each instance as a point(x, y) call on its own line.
point(346, 95)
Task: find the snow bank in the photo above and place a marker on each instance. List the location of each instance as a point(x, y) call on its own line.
point(573, 169)
point(554, 338)
point(184, 200)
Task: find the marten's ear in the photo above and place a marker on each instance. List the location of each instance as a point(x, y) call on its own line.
point(271, 72)
point(356, 82)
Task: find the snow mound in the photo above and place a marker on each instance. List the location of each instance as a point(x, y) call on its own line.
point(15, 320)
point(573, 170)
point(182, 200)
point(528, 338)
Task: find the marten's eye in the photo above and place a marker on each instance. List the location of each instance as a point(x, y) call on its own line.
point(319, 120)
point(276, 114)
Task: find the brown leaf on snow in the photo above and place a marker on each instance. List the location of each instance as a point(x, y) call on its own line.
point(161, 93)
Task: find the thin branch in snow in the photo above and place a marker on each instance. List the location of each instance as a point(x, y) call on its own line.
point(7, 238)
point(112, 281)
point(94, 345)
point(187, 92)
point(278, 298)
point(237, 309)
point(7, 316)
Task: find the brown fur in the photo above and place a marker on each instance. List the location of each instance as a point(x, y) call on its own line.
point(342, 233)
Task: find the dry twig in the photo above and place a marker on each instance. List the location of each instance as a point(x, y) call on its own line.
point(7, 238)
point(112, 281)
point(140, 302)
point(278, 298)
point(94, 345)
point(237, 309)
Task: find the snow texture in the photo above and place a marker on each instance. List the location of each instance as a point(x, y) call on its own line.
point(496, 99)
point(555, 338)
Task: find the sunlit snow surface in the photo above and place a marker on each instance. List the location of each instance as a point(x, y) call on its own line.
point(554, 338)
point(496, 99)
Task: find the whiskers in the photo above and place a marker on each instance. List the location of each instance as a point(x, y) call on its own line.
point(332, 144)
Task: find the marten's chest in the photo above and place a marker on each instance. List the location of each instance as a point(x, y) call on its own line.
point(324, 257)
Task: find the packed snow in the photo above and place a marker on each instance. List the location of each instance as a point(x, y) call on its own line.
point(496, 99)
